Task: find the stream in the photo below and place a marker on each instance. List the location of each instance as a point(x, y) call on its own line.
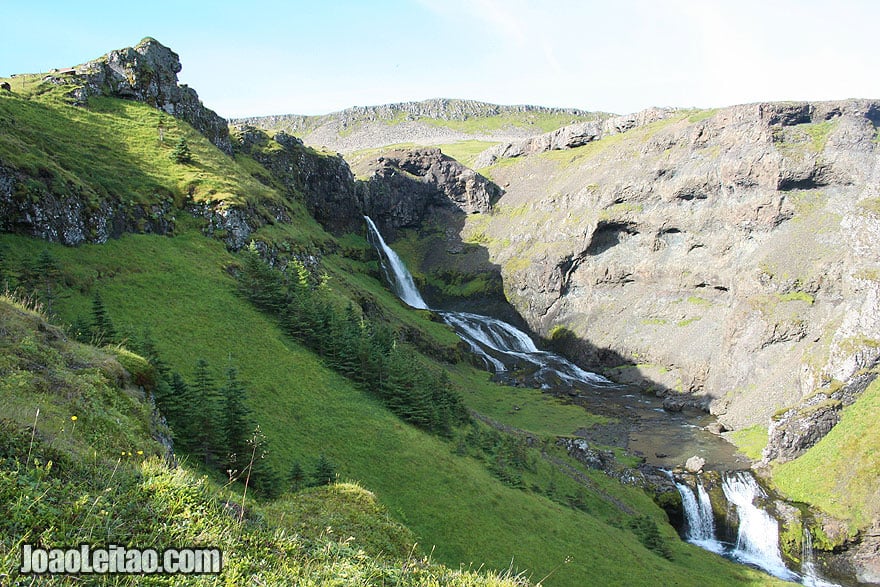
point(637, 422)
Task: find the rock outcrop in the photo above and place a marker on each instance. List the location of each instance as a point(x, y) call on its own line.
point(403, 186)
point(147, 73)
point(795, 430)
point(70, 220)
point(572, 136)
point(324, 182)
point(429, 122)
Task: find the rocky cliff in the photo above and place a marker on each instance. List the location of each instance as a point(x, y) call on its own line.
point(402, 187)
point(730, 255)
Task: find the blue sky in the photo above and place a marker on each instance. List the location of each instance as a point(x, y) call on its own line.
point(273, 57)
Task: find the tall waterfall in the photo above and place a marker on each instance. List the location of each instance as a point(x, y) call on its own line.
point(501, 345)
point(399, 278)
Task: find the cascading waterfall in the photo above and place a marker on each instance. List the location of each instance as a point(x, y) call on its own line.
point(809, 574)
point(399, 278)
point(498, 343)
point(699, 517)
point(757, 541)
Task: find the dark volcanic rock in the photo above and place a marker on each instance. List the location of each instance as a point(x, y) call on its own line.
point(324, 182)
point(404, 185)
point(797, 429)
point(71, 220)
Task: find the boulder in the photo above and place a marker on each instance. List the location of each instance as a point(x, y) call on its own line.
point(695, 464)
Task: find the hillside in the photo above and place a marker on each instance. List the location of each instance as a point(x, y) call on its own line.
point(163, 255)
point(430, 122)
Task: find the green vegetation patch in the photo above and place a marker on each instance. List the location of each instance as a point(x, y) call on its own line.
point(750, 441)
point(465, 152)
point(848, 459)
point(113, 150)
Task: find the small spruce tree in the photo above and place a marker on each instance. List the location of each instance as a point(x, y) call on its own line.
point(325, 472)
point(181, 153)
point(236, 421)
point(297, 476)
point(103, 331)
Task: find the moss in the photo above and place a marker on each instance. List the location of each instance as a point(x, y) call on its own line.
point(750, 441)
point(688, 321)
point(797, 296)
point(871, 206)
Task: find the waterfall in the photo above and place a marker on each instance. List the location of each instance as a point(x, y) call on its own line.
point(699, 518)
point(502, 346)
point(401, 279)
point(809, 575)
point(757, 542)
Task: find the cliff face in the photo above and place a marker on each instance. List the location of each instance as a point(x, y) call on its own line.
point(429, 122)
point(730, 254)
point(404, 186)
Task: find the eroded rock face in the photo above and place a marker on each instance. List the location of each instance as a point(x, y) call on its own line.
point(799, 428)
point(71, 220)
point(325, 182)
point(571, 136)
point(732, 251)
point(147, 73)
point(403, 185)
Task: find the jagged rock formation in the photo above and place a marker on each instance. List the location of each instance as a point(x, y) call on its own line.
point(325, 183)
point(571, 136)
point(730, 254)
point(57, 217)
point(147, 73)
point(403, 186)
point(422, 123)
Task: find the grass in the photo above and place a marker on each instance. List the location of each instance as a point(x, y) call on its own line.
point(182, 290)
point(537, 122)
point(523, 408)
point(465, 152)
point(849, 459)
point(112, 151)
point(750, 441)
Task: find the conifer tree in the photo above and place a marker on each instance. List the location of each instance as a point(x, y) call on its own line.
point(325, 472)
point(103, 331)
point(178, 409)
point(236, 421)
point(297, 476)
point(181, 152)
point(206, 414)
point(48, 272)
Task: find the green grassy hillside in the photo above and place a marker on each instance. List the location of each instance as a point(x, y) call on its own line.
point(849, 461)
point(78, 463)
point(462, 497)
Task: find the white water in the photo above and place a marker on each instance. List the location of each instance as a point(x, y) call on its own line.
point(810, 576)
point(699, 517)
point(401, 279)
point(757, 542)
point(498, 343)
